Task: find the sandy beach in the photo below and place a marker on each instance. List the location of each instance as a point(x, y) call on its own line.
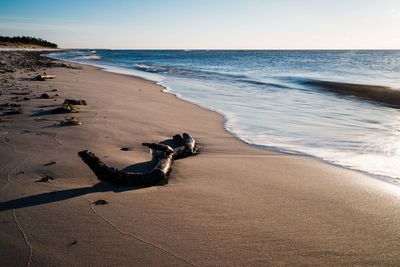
point(230, 205)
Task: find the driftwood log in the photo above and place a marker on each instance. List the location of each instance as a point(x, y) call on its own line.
point(74, 102)
point(65, 108)
point(44, 76)
point(162, 157)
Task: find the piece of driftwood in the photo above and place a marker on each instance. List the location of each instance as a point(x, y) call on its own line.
point(71, 121)
point(187, 146)
point(162, 157)
point(65, 108)
point(44, 76)
point(74, 102)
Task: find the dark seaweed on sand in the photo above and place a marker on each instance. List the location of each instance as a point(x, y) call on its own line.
point(100, 202)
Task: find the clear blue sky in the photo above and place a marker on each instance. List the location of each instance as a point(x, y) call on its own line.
point(229, 24)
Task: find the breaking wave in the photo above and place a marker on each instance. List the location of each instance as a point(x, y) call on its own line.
point(379, 94)
point(92, 57)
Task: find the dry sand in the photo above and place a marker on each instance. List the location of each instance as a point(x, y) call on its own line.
point(232, 205)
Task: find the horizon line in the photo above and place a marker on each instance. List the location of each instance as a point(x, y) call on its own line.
point(239, 49)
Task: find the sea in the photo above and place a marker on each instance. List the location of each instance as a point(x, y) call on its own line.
point(342, 107)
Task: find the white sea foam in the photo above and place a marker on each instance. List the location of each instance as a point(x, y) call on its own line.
point(92, 57)
point(146, 67)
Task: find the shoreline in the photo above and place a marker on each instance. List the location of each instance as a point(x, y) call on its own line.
point(273, 149)
point(165, 89)
point(233, 204)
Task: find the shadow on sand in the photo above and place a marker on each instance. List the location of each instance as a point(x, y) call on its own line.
point(56, 196)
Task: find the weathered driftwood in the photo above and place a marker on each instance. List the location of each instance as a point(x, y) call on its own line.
point(44, 76)
point(186, 148)
point(65, 108)
point(74, 102)
point(162, 156)
point(71, 121)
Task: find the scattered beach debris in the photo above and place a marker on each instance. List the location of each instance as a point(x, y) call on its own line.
point(16, 98)
point(11, 112)
point(29, 61)
point(50, 163)
point(10, 105)
point(26, 131)
point(74, 102)
point(127, 148)
point(45, 96)
point(45, 179)
point(162, 155)
point(65, 108)
point(54, 90)
point(21, 93)
point(44, 76)
point(4, 120)
point(73, 243)
point(71, 121)
point(76, 67)
point(6, 70)
point(100, 202)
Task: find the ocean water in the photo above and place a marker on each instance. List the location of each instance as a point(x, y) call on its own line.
point(340, 106)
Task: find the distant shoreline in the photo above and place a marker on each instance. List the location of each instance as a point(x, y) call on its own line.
point(30, 49)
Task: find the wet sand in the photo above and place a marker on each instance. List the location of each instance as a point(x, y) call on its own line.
point(231, 205)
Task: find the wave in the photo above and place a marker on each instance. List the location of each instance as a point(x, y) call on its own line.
point(375, 93)
point(193, 73)
point(92, 57)
point(151, 68)
point(261, 83)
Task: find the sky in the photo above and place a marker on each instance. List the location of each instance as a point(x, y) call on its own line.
point(206, 24)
